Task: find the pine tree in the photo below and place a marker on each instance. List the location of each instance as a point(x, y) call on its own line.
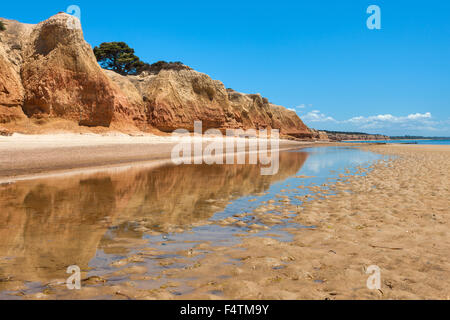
point(119, 57)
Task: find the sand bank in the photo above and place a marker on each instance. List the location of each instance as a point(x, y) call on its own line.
point(397, 217)
point(26, 156)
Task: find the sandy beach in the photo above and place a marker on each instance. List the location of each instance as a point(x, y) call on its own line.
point(393, 214)
point(29, 156)
point(397, 218)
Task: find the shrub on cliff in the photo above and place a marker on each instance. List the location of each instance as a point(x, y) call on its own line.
point(118, 57)
point(2, 26)
point(162, 65)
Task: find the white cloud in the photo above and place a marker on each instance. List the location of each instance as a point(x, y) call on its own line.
point(380, 122)
point(296, 108)
point(317, 116)
point(390, 118)
point(420, 116)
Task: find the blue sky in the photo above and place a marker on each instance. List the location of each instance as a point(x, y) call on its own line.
point(316, 57)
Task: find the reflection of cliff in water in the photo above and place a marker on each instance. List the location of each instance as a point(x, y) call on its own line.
point(49, 224)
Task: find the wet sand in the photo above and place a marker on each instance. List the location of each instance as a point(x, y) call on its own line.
point(394, 214)
point(397, 217)
point(24, 156)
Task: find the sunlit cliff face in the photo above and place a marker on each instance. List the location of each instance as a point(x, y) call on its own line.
point(48, 224)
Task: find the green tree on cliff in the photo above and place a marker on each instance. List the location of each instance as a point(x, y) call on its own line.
point(119, 57)
point(2, 26)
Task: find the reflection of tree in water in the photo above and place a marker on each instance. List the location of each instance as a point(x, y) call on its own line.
point(47, 225)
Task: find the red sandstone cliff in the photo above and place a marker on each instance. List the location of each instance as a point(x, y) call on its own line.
point(11, 89)
point(49, 71)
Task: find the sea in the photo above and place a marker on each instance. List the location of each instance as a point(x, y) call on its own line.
point(429, 142)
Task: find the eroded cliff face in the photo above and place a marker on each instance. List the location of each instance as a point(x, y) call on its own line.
point(62, 78)
point(49, 71)
point(320, 135)
point(254, 111)
point(133, 111)
point(11, 89)
point(175, 99)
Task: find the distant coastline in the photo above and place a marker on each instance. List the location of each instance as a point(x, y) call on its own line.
point(404, 141)
point(347, 136)
point(417, 138)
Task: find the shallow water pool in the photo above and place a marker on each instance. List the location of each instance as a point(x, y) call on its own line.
point(98, 221)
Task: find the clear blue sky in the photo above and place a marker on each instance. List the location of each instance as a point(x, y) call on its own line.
point(317, 57)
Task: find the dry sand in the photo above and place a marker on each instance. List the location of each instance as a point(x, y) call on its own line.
point(396, 217)
point(29, 156)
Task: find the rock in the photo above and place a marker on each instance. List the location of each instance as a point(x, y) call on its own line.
point(134, 112)
point(254, 111)
point(175, 99)
point(11, 89)
point(62, 78)
point(5, 133)
point(320, 135)
point(288, 122)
